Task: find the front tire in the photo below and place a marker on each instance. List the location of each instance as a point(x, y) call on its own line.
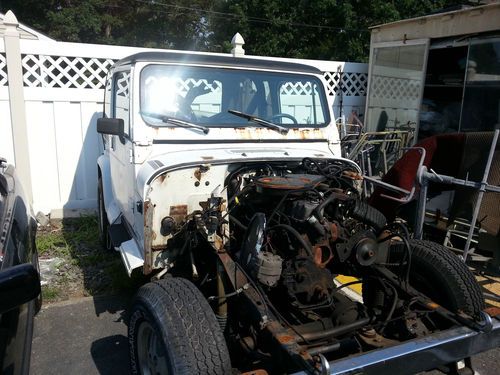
point(439, 274)
point(173, 330)
point(442, 276)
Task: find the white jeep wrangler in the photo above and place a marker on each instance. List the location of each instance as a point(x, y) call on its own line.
point(222, 180)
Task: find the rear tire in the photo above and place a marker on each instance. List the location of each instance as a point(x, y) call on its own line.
point(440, 275)
point(173, 330)
point(103, 219)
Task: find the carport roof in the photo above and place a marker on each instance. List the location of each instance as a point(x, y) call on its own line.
point(467, 21)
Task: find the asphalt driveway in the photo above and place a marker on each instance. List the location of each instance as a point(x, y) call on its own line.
point(89, 336)
point(81, 336)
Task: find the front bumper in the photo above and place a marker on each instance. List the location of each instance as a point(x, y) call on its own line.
point(420, 354)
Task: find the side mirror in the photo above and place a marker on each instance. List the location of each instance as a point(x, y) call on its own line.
point(113, 126)
point(18, 285)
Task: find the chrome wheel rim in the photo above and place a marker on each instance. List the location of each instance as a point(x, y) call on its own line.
point(150, 353)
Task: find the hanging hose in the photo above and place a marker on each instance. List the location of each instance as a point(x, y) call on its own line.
point(297, 235)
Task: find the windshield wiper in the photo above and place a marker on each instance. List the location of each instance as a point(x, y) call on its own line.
point(177, 122)
point(260, 121)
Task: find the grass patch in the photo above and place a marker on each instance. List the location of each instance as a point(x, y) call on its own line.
point(50, 293)
point(95, 259)
point(86, 268)
point(52, 243)
point(120, 280)
point(82, 230)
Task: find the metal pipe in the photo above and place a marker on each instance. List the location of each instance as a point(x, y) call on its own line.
point(444, 179)
point(336, 331)
point(221, 292)
point(297, 235)
point(479, 199)
point(324, 349)
point(421, 354)
point(422, 200)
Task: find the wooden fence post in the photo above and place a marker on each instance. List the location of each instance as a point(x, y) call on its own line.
point(16, 102)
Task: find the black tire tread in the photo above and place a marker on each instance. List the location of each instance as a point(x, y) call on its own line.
point(191, 331)
point(463, 285)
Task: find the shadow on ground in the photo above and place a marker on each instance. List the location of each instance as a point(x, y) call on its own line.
point(82, 336)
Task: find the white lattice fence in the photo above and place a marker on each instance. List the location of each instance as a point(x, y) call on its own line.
point(65, 72)
point(90, 73)
point(63, 90)
point(395, 88)
point(351, 84)
point(183, 86)
point(3, 70)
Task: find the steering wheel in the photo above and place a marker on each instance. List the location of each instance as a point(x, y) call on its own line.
point(284, 115)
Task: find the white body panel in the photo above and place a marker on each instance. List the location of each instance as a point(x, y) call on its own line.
point(158, 167)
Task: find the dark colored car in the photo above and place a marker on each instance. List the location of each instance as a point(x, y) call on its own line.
point(19, 274)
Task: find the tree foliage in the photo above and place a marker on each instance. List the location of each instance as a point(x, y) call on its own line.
point(316, 29)
point(319, 29)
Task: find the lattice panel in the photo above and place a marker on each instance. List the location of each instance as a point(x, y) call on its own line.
point(3, 70)
point(297, 88)
point(395, 88)
point(352, 84)
point(65, 72)
point(183, 86)
point(122, 84)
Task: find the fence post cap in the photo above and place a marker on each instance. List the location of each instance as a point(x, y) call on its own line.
point(10, 19)
point(237, 42)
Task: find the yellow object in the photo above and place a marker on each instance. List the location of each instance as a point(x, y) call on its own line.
point(347, 279)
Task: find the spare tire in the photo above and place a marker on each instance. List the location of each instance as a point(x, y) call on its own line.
point(173, 330)
point(439, 274)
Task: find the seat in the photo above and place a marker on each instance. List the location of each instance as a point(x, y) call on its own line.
point(460, 155)
point(441, 154)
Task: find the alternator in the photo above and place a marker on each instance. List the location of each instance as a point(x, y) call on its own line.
point(267, 268)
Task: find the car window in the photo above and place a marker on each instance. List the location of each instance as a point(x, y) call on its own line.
point(210, 99)
point(203, 95)
point(121, 99)
point(301, 99)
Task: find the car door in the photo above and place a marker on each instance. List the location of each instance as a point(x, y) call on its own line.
point(121, 148)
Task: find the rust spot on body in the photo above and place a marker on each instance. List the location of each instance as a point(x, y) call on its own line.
point(432, 305)
point(285, 339)
point(179, 212)
point(493, 311)
point(352, 175)
point(197, 174)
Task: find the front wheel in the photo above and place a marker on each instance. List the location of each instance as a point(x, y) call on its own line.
point(173, 330)
point(439, 274)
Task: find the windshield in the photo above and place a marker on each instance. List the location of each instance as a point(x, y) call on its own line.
point(203, 96)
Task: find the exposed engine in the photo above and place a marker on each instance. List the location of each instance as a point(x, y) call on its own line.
point(298, 227)
point(267, 257)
